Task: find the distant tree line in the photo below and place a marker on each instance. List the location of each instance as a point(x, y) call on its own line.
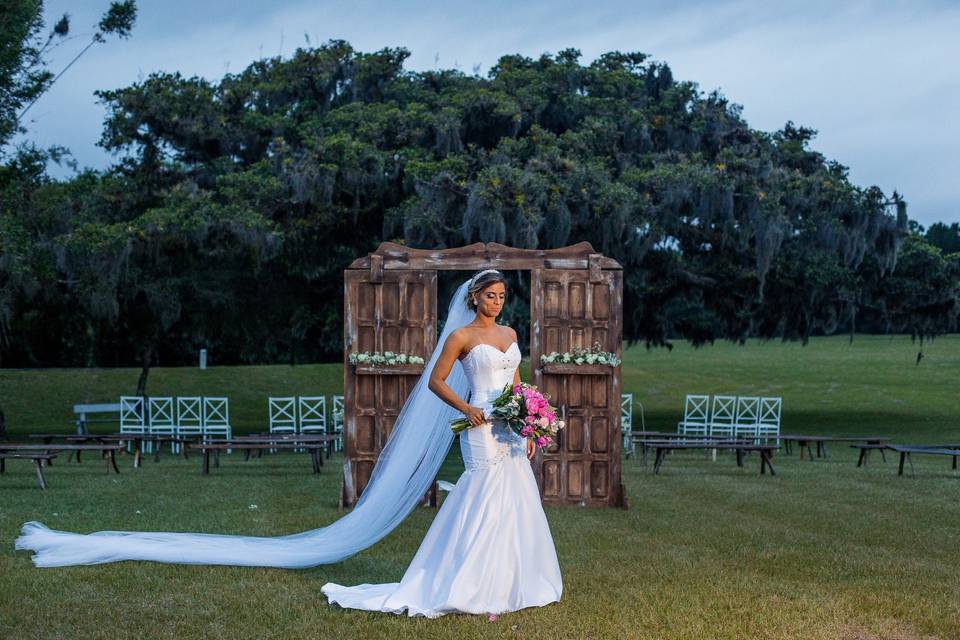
point(234, 206)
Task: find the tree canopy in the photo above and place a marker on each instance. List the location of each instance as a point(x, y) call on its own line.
point(234, 206)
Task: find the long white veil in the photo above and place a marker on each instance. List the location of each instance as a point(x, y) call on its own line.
point(408, 464)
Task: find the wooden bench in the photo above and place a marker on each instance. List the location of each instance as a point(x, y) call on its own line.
point(639, 437)
point(108, 450)
point(933, 450)
point(38, 458)
point(315, 449)
point(662, 447)
point(313, 438)
point(803, 441)
point(136, 439)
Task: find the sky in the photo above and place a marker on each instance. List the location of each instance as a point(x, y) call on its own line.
point(877, 80)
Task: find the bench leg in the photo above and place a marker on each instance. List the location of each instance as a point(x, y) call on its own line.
point(823, 448)
point(206, 461)
point(910, 460)
point(954, 463)
point(862, 460)
point(3, 465)
point(739, 457)
point(658, 460)
point(112, 462)
point(40, 478)
point(766, 459)
point(883, 456)
point(136, 455)
point(903, 457)
point(156, 450)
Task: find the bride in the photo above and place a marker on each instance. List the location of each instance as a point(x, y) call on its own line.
point(489, 549)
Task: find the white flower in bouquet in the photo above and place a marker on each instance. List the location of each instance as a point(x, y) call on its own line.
point(402, 358)
point(578, 360)
point(592, 358)
point(388, 354)
point(566, 357)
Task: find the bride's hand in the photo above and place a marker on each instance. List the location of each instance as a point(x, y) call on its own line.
point(475, 416)
point(531, 448)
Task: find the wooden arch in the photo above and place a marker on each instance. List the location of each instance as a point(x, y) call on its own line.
point(390, 304)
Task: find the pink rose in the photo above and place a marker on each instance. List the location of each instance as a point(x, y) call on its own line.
point(542, 441)
point(543, 422)
point(526, 431)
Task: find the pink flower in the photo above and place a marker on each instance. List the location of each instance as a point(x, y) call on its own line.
point(491, 618)
point(542, 441)
point(526, 431)
point(543, 422)
point(516, 388)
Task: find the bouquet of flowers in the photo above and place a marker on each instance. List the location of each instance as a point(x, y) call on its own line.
point(526, 411)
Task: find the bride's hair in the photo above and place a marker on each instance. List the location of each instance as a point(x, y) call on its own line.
point(480, 281)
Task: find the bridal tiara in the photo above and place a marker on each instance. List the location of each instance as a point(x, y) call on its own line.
point(474, 278)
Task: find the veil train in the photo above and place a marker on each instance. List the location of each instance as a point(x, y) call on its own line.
point(411, 457)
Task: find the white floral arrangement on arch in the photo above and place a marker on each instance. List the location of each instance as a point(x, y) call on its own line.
point(387, 358)
point(580, 355)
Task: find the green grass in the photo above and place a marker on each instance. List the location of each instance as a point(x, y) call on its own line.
point(706, 550)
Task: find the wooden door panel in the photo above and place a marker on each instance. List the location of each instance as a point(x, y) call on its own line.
point(577, 308)
point(387, 311)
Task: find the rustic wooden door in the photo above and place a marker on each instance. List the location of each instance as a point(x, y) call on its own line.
point(570, 308)
point(384, 310)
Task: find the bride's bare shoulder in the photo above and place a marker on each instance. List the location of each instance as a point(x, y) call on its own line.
point(457, 337)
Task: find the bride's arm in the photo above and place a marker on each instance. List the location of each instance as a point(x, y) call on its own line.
point(448, 355)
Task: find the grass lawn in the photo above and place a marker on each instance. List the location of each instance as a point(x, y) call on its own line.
point(707, 550)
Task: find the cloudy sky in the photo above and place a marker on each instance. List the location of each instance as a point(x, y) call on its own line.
point(878, 80)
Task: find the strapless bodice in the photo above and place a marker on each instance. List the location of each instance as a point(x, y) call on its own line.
point(488, 371)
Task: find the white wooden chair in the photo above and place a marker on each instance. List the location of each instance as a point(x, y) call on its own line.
point(768, 423)
point(696, 416)
point(748, 411)
point(626, 422)
point(132, 416)
point(313, 414)
point(283, 414)
point(722, 415)
point(216, 418)
point(189, 417)
point(160, 412)
point(337, 415)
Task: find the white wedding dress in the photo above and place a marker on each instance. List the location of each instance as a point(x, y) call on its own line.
point(489, 549)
